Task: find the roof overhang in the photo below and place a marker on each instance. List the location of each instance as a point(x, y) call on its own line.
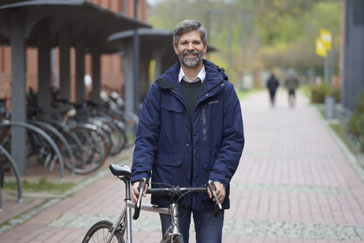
point(86, 20)
point(150, 39)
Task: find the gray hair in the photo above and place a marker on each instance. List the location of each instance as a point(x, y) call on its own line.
point(187, 26)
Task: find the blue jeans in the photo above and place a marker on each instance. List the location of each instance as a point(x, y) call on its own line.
point(208, 228)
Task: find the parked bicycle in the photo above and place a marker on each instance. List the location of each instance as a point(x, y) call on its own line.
point(121, 230)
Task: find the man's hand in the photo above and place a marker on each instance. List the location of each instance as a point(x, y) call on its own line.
point(135, 191)
point(220, 192)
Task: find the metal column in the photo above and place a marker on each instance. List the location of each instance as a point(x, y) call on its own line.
point(80, 70)
point(64, 64)
point(18, 92)
point(96, 75)
point(129, 92)
point(44, 67)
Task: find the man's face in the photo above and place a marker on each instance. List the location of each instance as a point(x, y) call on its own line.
point(190, 49)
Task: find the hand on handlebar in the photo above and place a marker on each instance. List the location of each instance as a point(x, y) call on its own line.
point(135, 191)
point(220, 192)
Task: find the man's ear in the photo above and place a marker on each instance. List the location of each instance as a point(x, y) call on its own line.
point(205, 48)
point(175, 48)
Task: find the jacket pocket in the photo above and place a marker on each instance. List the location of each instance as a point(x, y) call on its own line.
point(172, 105)
point(167, 170)
point(173, 125)
point(169, 160)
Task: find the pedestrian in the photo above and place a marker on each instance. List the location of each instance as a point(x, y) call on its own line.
point(272, 85)
point(190, 131)
point(291, 83)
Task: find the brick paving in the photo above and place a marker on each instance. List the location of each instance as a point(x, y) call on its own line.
point(295, 183)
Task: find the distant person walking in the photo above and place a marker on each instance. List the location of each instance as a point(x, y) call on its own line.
point(272, 85)
point(291, 83)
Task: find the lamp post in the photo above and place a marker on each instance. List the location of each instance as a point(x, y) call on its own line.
point(136, 61)
point(245, 17)
point(229, 37)
point(208, 21)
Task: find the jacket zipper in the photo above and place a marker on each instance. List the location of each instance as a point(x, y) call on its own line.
point(204, 133)
point(204, 124)
point(178, 96)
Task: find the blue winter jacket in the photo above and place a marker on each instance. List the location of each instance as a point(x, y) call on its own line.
point(167, 151)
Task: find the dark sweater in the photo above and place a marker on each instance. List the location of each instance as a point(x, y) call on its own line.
point(192, 92)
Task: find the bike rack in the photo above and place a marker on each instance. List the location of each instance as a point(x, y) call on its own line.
point(60, 137)
point(17, 175)
point(44, 135)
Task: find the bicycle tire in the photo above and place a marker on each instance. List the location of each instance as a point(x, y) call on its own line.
point(94, 150)
point(131, 122)
point(100, 231)
point(123, 136)
point(116, 136)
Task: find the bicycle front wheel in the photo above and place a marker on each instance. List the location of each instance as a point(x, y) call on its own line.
point(101, 231)
point(177, 239)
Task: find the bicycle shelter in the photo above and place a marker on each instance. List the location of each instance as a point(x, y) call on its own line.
point(45, 24)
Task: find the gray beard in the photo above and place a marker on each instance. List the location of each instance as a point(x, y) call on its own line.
point(190, 62)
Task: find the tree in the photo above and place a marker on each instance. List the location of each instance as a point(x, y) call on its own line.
point(279, 32)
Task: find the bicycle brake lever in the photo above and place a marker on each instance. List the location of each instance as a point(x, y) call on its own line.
point(138, 204)
point(212, 189)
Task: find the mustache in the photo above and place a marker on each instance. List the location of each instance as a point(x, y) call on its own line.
point(190, 52)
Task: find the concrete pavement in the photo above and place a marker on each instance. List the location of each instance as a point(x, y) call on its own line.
point(295, 183)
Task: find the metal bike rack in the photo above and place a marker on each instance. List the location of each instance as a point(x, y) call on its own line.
point(44, 135)
point(17, 175)
point(60, 137)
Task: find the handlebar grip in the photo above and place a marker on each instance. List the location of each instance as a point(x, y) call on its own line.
point(138, 204)
point(212, 188)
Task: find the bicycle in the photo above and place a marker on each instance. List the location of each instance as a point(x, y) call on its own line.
point(106, 231)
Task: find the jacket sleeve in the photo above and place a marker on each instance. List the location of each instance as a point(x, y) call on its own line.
point(233, 139)
point(147, 137)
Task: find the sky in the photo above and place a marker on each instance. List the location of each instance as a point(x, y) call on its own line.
point(152, 2)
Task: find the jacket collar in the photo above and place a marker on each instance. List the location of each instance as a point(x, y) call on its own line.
point(214, 76)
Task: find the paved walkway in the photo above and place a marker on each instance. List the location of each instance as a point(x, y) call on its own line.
point(294, 184)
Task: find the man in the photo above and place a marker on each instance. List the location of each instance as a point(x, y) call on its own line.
point(190, 131)
point(272, 85)
point(291, 83)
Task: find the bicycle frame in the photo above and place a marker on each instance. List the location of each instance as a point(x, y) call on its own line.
point(122, 229)
point(126, 215)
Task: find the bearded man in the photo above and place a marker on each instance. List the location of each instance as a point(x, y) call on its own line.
point(190, 131)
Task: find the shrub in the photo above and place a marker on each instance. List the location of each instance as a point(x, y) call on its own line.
point(335, 92)
point(355, 124)
point(320, 92)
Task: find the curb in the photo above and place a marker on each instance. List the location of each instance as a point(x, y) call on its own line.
point(359, 170)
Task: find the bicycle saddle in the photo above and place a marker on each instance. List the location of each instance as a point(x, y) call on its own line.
point(117, 170)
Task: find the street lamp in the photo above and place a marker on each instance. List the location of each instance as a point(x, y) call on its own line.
point(230, 38)
point(208, 14)
point(245, 17)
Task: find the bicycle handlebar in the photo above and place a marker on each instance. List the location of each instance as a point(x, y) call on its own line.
point(142, 184)
point(174, 191)
point(211, 186)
